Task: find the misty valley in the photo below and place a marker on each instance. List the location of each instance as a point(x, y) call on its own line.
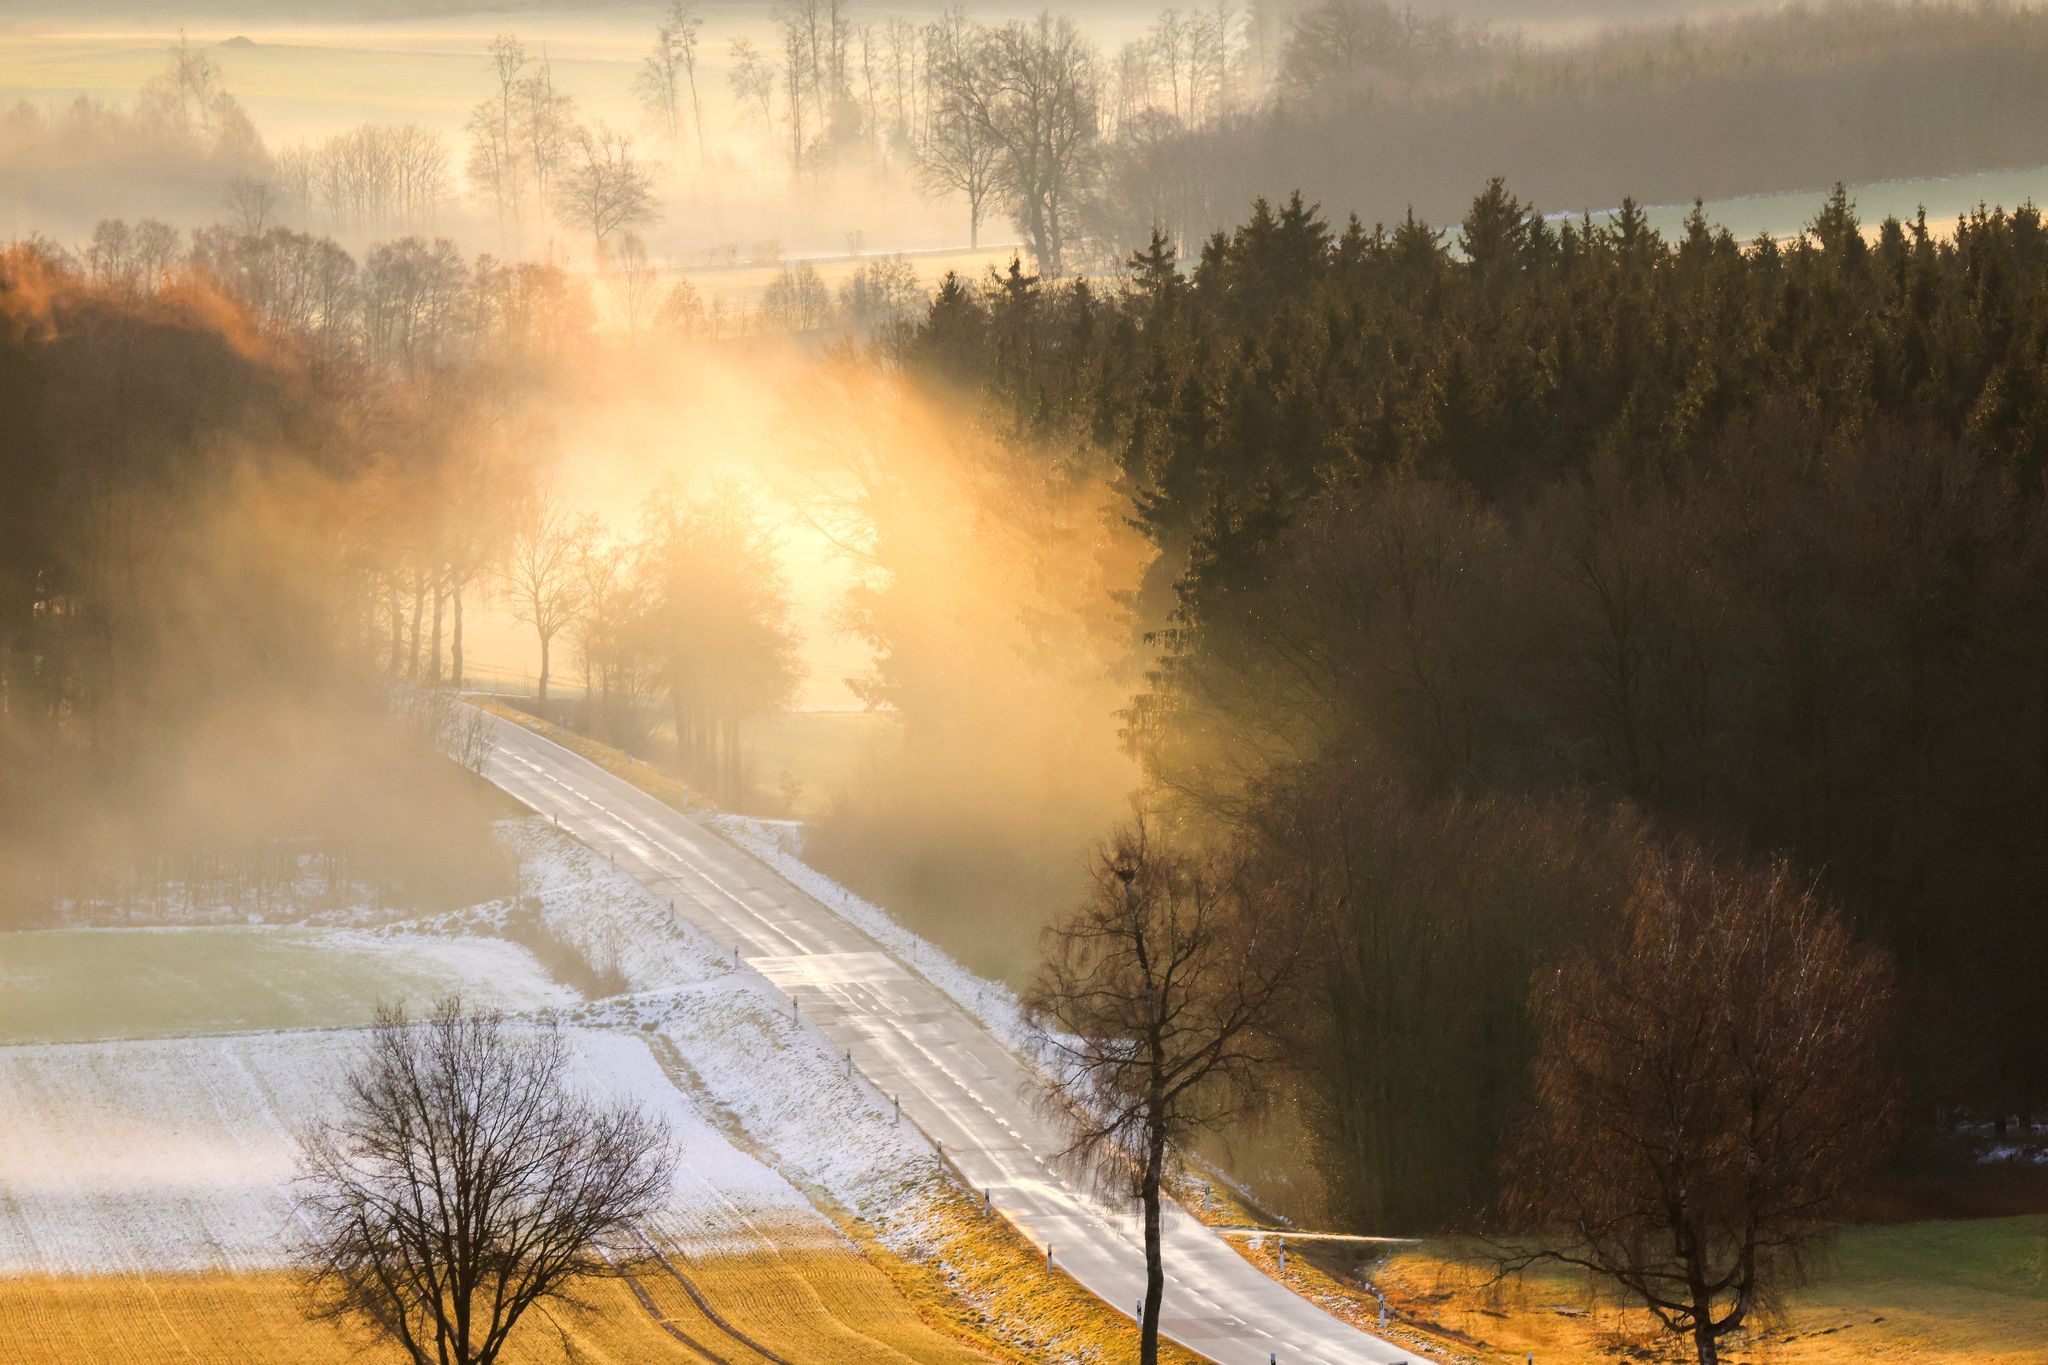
point(808, 682)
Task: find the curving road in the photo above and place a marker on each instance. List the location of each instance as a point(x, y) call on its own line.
point(958, 1082)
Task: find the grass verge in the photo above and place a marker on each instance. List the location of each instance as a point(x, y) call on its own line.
point(1938, 1291)
point(992, 1285)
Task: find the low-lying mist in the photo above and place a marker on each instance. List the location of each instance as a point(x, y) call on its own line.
point(187, 721)
point(971, 592)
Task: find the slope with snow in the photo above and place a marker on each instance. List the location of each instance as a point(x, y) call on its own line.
point(178, 1154)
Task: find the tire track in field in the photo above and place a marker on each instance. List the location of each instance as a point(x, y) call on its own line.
point(654, 1311)
point(704, 1307)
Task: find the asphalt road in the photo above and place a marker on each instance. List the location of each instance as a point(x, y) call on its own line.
point(958, 1082)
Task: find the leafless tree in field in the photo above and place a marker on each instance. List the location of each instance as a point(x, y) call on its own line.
point(602, 188)
point(543, 573)
point(666, 71)
point(960, 151)
point(544, 122)
point(1151, 998)
point(752, 79)
point(494, 140)
point(1707, 1088)
point(635, 283)
point(1034, 92)
point(466, 1181)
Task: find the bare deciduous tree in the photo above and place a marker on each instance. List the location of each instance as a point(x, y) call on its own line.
point(543, 573)
point(1151, 999)
point(467, 1181)
point(1707, 1087)
point(635, 284)
point(1033, 91)
point(545, 128)
point(667, 70)
point(603, 188)
point(960, 151)
point(495, 160)
point(753, 81)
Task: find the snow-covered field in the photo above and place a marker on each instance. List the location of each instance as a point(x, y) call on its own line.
point(177, 1152)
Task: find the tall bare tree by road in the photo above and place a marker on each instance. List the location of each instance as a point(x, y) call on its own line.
point(1707, 1088)
point(466, 1181)
point(1151, 998)
point(543, 573)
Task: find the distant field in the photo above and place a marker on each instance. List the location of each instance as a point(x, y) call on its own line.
point(54, 983)
point(1923, 1292)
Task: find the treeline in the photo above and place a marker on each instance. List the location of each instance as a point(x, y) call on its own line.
point(186, 726)
point(1785, 100)
point(248, 486)
point(1369, 107)
point(1486, 559)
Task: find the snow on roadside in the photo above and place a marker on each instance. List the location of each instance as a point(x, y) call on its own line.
point(779, 844)
point(178, 1154)
point(779, 1079)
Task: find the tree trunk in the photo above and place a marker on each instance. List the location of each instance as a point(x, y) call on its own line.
point(1704, 1340)
point(544, 642)
point(434, 653)
point(1155, 1266)
point(397, 607)
point(455, 641)
point(419, 593)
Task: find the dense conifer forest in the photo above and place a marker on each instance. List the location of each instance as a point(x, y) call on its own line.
point(1488, 555)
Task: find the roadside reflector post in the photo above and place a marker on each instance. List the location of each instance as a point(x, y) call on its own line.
point(899, 1107)
point(1048, 1255)
point(1205, 1196)
point(849, 1061)
point(984, 1201)
point(1283, 1255)
point(939, 1152)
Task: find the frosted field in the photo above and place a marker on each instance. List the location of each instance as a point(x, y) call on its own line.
point(177, 1152)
